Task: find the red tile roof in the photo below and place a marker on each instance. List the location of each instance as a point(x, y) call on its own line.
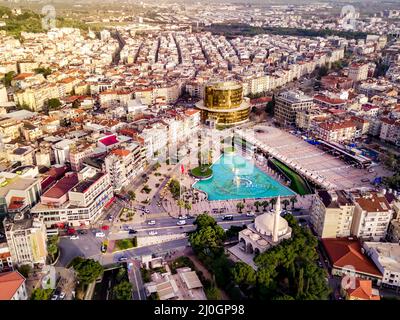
point(62, 186)
point(120, 152)
point(16, 203)
point(362, 290)
point(344, 252)
point(9, 284)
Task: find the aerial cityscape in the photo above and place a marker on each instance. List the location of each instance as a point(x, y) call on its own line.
point(199, 150)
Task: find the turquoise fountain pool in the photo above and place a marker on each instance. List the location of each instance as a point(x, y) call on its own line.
point(234, 177)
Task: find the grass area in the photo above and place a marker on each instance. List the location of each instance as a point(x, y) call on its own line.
point(229, 149)
point(125, 244)
point(202, 171)
point(297, 184)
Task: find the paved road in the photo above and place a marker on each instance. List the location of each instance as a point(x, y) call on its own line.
point(135, 278)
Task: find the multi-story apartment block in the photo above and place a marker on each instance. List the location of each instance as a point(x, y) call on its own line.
point(76, 199)
point(390, 130)
point(122, 165)
point(79, 152)
point(18, 194)
point(341, 130)
point(6, 263)
point(386, 257)
point(358, 71)
point(288, 104)
point(372, 216)
point(26, 237)
point(332, 214)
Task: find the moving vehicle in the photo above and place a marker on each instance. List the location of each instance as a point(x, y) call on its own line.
point(103, 248)
point(182, 217)
point(250, 214)
point(153, 233)
point(81, 232)
point(227, 217)
point(131, 231)
point(181, 222)
point(74, 237)
point(121, 259)
point(100, 235)
point(151, 222)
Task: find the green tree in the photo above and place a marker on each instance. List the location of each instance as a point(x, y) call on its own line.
point(243, 274)
point(257, 204)
point(88, 270)
point(204, 220)
point(187, 206)
point(271, 106)
point(123, 291)
point(121, 274)
point(44, 71)
point(273, 202)
point(265, 204)
point(285, 203)
point(53, 104)
point(240, 206)
point(132, 195)
point(213, 293)
point(8, 78)
point(293, 200)
point(52, 247)
point(41, 294)
point(25, 270)
point(174, 187)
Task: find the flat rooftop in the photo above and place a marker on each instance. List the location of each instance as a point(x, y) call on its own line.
point(62, 186)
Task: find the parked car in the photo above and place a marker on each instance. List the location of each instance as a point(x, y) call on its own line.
point(182, 217)
point(227, 217)
point(100, 235)
point(74, 237)
point(121, 259)
point(153, 233)
point(54, 297)
point(103, 248)
point(151, 222)
point(131, 231)
point(81, 232)
point(62, 295)
point(250, 214)
point(181, 222)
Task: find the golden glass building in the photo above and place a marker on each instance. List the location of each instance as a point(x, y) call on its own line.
point(224, 105)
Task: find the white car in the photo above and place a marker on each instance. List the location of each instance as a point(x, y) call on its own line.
point(100, 235)
point(54, 297)
point(181, 222)
point(74, 237)
point(250, 214)
point(182, 217)
point(151, 222)
point(62, 295)
point(153, 233)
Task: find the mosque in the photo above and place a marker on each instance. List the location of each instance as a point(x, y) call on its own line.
point(268, 230)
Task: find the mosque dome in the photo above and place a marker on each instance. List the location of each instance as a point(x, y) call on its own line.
point(264, 224)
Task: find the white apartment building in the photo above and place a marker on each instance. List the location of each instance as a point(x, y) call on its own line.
point(26, 238)
point(372, 216)
point(358, 71)
point(75, 201)
point(62, 150)
point(288, 104)
point(390, 130)
point(331, 214)
point(386, 257)
point(122, 165)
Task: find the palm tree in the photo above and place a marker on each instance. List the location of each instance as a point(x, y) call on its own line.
point(240, 206)
point(265, 204)
point(188, 206)
point(293, 200)
point(257, 204)
point(132, 195)
point(285, 203)
point(273, 202)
